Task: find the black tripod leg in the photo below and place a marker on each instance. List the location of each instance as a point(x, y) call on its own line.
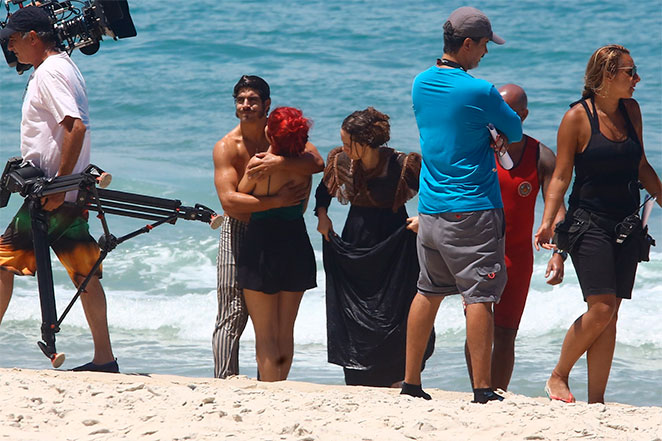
point(45, 280)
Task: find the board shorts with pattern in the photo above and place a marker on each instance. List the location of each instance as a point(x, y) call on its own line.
point(68, 236)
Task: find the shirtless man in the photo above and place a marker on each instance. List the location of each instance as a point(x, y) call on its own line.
point(244, 150)
point(534, 165)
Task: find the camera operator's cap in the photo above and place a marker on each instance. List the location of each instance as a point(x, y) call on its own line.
point(470, 22)
point(30, 18)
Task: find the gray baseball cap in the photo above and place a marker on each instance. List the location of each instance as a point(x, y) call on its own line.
point(470, 22)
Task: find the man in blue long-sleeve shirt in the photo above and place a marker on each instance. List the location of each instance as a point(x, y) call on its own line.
point(461, 223)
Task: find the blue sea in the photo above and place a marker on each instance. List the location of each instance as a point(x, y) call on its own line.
point(161, 100)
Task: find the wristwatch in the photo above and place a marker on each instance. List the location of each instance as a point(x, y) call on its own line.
point(563, 254)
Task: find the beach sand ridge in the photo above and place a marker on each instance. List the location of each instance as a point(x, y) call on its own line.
point(60, 405)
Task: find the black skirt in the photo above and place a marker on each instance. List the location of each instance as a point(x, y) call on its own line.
point(371, 275)
point(276, 255)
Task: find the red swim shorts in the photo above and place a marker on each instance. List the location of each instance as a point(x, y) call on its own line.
point(508, 312)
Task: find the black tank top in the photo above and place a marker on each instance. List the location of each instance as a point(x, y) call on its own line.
point(607, 172)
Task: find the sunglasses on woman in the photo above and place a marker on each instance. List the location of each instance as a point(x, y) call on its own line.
point(630, 71)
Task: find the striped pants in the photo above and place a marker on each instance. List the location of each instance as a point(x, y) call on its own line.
point(232, 313)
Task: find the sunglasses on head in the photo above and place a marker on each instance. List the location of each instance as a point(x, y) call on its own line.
point(630, 71)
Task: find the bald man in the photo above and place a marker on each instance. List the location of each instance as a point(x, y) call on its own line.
point(534, 164)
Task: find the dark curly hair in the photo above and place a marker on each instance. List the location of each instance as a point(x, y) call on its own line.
point(369, 127)
point(252, 82)
point(288, 129)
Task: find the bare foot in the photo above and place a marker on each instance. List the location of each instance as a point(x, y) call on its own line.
point(557, 388)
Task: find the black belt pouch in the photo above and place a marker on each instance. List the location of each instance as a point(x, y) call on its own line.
point(570, 229)
point(646, 241)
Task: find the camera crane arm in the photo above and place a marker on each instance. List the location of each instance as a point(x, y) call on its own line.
point(30, 183)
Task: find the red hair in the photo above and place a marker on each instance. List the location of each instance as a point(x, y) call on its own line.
point(288, 129)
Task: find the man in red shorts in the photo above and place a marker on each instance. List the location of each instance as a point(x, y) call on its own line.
point(534, 165)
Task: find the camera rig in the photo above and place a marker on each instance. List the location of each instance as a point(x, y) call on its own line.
point(30, 183)
point(77, 24)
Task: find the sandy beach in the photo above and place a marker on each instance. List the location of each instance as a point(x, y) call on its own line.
point(57, 405)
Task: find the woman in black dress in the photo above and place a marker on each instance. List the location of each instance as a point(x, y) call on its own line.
point(371, 271)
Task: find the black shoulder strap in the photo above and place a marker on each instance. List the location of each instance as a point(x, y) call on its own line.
point(632, 133)
point(593, 118)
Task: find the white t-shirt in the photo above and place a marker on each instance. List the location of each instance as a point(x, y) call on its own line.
point(56, 89)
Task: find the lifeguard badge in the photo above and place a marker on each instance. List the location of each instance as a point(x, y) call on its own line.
point(524, 189)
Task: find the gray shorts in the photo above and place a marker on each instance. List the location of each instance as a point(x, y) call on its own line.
point(462, 253)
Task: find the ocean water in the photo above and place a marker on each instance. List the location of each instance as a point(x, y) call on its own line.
point(161, 100)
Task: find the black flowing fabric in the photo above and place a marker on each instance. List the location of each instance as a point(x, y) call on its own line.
point(371, 275)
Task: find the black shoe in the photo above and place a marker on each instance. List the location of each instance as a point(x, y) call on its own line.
point(414, 390)
point(482, 396)
point(110, 367)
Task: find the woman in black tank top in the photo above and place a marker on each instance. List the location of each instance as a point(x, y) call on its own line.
point(600, 137)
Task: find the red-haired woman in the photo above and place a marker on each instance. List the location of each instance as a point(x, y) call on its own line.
point(276, 262)
point(601, 138)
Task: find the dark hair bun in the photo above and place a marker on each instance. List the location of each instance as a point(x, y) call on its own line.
point(368, 126)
